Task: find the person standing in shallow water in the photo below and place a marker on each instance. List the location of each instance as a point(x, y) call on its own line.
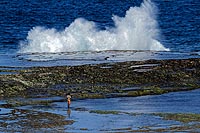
point(68, 100)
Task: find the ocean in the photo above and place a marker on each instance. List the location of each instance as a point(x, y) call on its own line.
point(71, 32)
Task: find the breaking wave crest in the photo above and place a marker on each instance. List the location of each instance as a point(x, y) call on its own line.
point(138, 30)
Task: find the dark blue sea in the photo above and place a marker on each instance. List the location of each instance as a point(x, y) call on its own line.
point(73, 32)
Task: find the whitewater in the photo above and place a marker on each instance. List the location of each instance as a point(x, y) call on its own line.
point(137, 30)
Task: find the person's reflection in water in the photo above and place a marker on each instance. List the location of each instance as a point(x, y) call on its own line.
point(68, 112)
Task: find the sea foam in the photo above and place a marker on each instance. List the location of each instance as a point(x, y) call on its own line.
point(137, 30)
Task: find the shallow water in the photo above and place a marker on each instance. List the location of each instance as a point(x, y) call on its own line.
point(141, 108)
point(89, 57)
point(133, 113)
point(179, 102)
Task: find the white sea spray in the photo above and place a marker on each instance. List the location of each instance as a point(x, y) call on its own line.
point(137, 30)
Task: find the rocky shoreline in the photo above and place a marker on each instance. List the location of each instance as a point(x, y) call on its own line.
point(34, 98)
point(123, 79)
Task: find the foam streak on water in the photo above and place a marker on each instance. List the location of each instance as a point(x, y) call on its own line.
point(138, 30)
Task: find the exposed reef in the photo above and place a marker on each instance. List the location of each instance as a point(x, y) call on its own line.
point(124, 79)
